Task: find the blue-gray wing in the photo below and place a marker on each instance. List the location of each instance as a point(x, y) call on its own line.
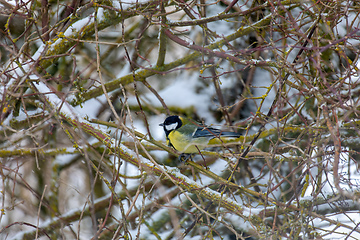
point(213, 133)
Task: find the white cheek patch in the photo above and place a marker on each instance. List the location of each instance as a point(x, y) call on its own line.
point(171, 127)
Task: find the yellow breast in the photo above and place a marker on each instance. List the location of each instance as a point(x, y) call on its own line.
point(186, 144)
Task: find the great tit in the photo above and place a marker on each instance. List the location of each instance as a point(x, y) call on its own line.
point(187, 136)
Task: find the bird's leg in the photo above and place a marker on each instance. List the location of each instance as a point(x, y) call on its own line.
point(184, 157)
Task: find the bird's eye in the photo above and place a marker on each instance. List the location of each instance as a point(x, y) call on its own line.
point(170, 127)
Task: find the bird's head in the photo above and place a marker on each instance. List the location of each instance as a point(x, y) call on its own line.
point(171, 123)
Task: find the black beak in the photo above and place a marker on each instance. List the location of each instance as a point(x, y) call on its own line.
point(161, 124)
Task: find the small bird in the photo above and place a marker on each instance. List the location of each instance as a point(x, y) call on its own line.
point(187, 136)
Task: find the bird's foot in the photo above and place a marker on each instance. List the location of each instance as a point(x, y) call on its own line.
point(184, 157)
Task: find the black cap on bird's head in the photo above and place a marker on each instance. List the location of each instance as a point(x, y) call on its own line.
point(171, 123)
